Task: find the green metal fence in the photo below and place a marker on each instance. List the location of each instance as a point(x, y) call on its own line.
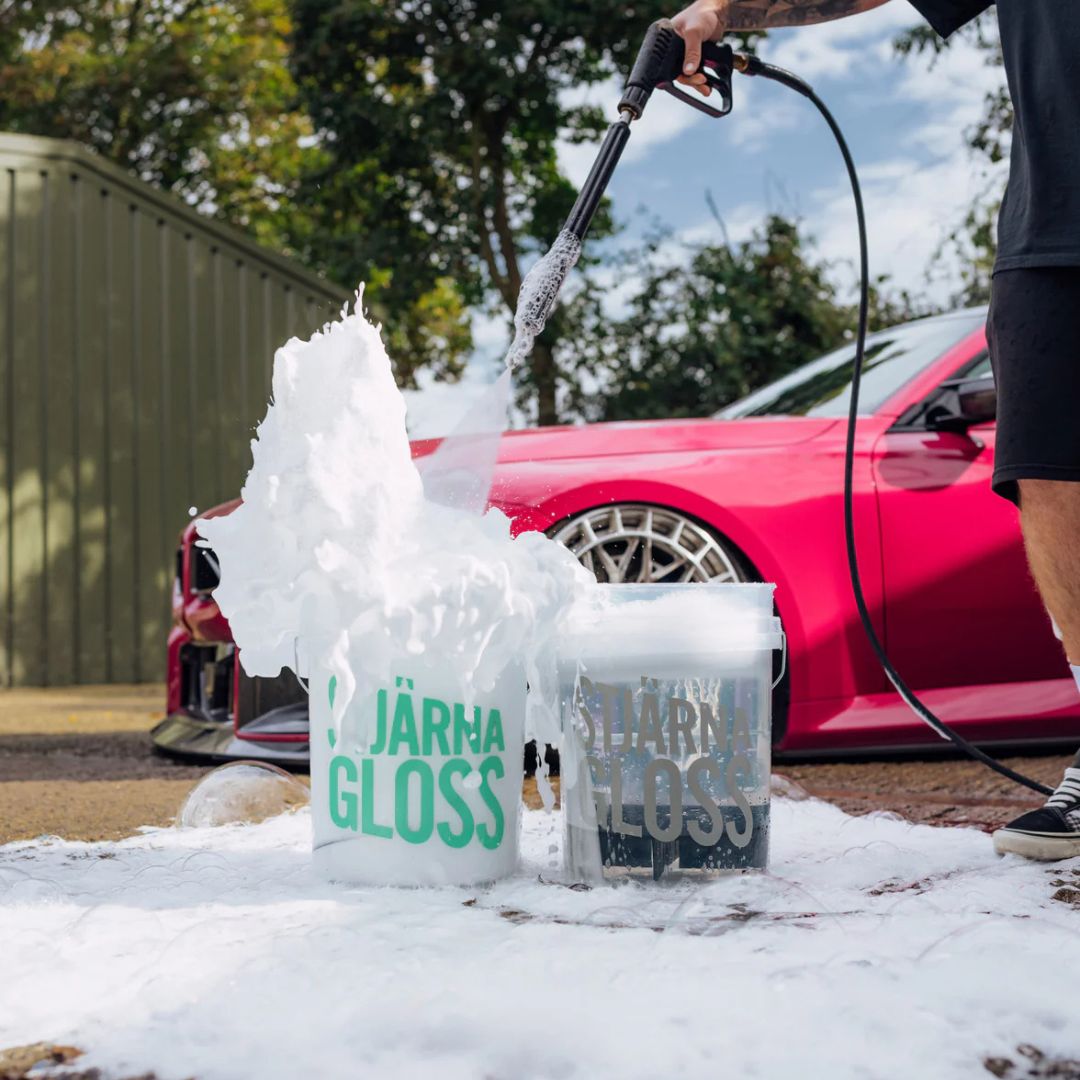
point(136, 343)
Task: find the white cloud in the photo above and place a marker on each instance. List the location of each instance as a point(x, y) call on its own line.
point(911, 208)
point(917, 194)
point(917, 197)
point(664, 119)
point(839, 48)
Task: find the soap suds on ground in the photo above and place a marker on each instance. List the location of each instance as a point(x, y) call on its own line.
point(871, 947)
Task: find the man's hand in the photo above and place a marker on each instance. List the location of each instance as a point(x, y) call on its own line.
point(708, 20)
point(703, 20)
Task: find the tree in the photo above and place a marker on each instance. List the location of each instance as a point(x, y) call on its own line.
point(715, 323)
point(196, 96)
point(974, 240)
point(441, 120)
point(192, 96)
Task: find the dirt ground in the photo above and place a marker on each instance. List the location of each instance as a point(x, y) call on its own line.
point(76, 762)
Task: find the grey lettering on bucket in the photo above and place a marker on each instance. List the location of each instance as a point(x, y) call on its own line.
point(681, 719)
point(653, 771)
point(617, 823)
point(685, 742)
point(705, 837)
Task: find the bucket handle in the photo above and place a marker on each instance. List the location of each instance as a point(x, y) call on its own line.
point(783, 660)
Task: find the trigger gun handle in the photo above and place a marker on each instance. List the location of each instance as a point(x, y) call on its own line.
point(716, 65)
point(659, 63)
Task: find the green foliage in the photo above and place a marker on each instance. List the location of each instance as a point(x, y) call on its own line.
point(197, 97)
point(718, 323)
point(192, 96)
point(441, 121)
point(412, 145)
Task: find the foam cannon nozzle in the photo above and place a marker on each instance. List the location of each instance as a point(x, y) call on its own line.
point(658, 64)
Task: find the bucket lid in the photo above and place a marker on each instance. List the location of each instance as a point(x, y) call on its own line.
point(687, 618)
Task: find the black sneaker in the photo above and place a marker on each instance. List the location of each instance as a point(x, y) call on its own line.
point(1050, 833)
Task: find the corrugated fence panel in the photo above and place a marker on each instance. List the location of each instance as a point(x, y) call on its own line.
point(59, 421)
point(120, 514)
point(91, 306)
point(201, 374)
point(7, 367)
point(28, 501)
point(136, 344)
point(227, 362)
point(152, 544)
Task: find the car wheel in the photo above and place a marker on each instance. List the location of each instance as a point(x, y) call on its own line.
point(637, 543)
point(634, 543)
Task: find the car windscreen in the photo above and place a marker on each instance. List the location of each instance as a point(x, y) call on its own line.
point(893, 357)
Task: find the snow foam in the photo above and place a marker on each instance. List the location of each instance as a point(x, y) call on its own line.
point(336, 556)
point(871, 948)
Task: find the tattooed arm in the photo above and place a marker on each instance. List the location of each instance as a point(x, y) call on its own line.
point(707, 20)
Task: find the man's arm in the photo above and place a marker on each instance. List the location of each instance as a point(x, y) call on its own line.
point(707, 20)
point(762, 15)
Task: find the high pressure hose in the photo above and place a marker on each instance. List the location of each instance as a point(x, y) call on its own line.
point(751, 65)
point(658, 65)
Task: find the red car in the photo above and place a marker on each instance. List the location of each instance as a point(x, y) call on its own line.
point(754, 493)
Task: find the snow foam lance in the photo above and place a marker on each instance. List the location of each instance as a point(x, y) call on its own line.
point(658, 64)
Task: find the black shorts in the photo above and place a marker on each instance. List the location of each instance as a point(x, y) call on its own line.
point(1034, 334)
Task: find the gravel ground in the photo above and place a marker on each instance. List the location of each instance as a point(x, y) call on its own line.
point(76, 762)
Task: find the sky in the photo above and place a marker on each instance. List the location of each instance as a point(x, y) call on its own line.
point(904, 120)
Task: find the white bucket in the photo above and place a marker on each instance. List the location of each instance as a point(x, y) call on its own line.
point(420, 783)
point(665, 694)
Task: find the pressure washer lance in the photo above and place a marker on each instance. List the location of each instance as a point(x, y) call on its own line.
point(658, 64)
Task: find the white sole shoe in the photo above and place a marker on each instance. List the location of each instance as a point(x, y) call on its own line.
point(1045, 847)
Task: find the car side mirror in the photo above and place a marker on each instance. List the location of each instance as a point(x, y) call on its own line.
point(978, 399)
point(975, 403)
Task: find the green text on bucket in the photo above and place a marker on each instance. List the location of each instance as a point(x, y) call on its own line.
point(416, 731)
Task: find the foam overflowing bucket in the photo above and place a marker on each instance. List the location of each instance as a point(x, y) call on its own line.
point(665, 696)
point(418, 782)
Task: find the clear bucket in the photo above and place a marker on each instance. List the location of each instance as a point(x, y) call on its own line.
point(665, 697)
point(420, 781)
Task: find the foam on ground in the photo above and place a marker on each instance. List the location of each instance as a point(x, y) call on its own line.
point(871, 948)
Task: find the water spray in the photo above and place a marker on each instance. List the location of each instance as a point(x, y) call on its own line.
point(658, 65)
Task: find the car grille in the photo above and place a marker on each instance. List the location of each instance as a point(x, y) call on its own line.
point(256, 697)
point(206, 681)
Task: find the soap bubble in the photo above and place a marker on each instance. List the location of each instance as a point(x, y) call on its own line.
point(783, 787)
point(242, 792)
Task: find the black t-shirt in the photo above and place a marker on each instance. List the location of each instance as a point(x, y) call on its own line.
point(1040, 216)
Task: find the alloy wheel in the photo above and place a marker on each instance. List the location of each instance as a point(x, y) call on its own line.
point(636, 543)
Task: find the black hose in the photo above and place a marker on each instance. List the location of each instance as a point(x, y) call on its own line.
point(751, 65)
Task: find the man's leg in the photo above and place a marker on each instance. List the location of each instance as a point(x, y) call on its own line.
point(1034, 335)
point(1050, 519)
